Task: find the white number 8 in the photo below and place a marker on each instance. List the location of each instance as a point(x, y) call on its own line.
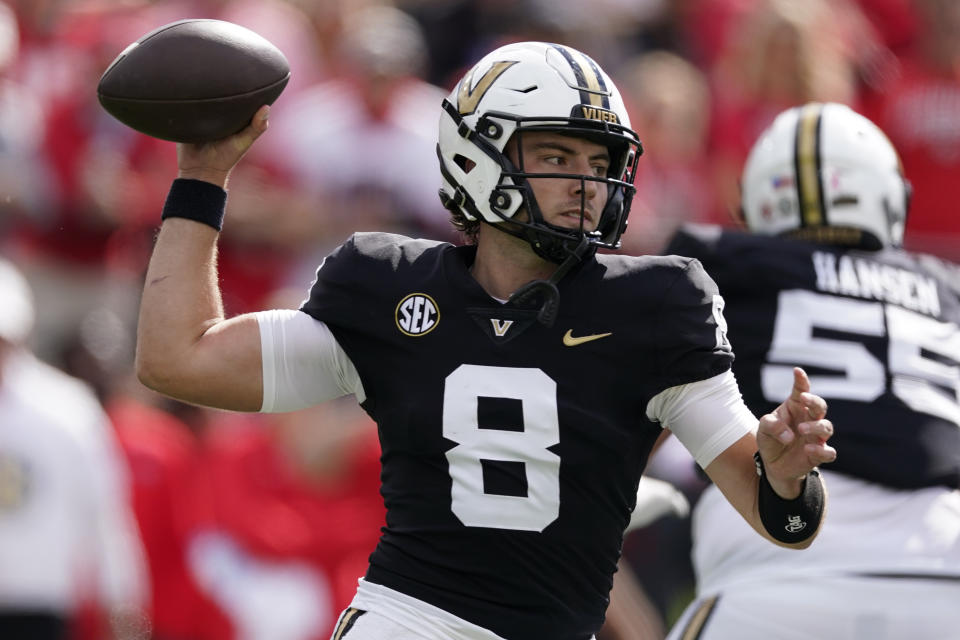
point(537, 394)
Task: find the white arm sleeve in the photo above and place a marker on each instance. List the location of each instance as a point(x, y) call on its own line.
point(303, 365)
point(707, 416)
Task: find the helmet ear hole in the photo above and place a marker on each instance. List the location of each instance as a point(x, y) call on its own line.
point(500, 199)
point(465, 163)
point(489, 128)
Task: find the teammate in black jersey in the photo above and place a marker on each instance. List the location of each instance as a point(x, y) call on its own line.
point(518, 381)
point(821, 283)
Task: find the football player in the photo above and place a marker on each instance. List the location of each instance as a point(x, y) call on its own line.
point(518, 381)
point(821, 282)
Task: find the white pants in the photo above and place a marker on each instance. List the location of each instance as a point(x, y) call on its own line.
point(379, 613)
point(370, 625)
point(826, 608)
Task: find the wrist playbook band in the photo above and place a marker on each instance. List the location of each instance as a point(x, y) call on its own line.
point(790, 521)
point(196, 200)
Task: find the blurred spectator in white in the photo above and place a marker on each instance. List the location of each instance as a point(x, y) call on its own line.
point(68, 539)
point(669, 102)
point(358, 142)
point(919, 109)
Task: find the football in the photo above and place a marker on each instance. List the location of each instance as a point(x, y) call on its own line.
point(193, 80)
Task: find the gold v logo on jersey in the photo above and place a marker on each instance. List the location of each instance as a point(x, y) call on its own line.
point(500, 326)
point(501, 323)
point(569, 340)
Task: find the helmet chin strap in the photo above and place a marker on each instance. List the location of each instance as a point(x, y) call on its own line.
point(547, 289)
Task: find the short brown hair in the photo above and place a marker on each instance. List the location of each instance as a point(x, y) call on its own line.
point(467, 228)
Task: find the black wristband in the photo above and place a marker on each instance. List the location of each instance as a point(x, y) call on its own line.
point(790, 521)
point(196, 200)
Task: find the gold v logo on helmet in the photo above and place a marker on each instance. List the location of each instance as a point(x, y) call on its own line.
point(467, 98)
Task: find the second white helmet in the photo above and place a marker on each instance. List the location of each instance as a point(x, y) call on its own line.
point(823, 172)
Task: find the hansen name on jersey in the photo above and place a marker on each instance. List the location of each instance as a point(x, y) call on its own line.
point(878, 332)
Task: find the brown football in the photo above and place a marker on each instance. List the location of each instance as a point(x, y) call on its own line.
point(193, 80)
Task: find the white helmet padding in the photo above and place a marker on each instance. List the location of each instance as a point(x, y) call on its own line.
point(533, 86)
point(823, 172)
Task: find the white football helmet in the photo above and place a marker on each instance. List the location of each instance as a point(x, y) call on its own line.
point(825, 173)
point(533, 86)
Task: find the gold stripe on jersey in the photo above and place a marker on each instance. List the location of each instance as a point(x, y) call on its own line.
point(809, 187)
point(699, 619)
point(346, 622)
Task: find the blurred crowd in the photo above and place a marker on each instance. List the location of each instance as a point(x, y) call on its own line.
point(244, 516)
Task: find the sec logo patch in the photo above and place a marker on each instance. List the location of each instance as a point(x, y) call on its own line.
point(417, 315)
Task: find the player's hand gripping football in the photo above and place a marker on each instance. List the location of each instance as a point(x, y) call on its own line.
point(213, 161)
point(793, 438)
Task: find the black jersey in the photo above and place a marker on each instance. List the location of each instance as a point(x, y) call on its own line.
point(877, 332)
point(511, 451)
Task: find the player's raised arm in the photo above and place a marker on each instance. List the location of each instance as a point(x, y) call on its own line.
point(186, 348)
point(782, 495)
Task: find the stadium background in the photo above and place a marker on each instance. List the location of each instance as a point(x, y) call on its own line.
point(351, 147)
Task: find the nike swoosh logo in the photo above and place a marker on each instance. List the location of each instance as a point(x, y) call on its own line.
point(571, 341)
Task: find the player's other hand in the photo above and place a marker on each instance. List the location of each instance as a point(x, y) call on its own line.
point(213, 161)
point(793, 438)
